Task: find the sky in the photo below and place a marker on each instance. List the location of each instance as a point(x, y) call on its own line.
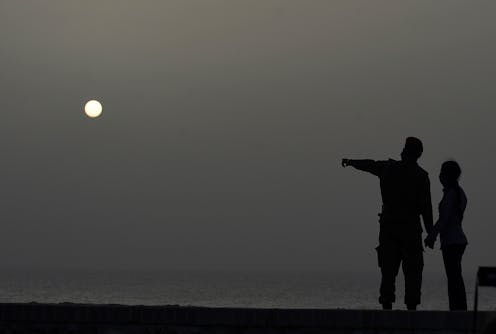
point(223, 126)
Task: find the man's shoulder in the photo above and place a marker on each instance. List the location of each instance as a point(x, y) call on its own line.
point(422, 173)
point(415, 168)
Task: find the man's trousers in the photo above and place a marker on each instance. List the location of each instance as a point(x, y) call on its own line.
point(400, 245)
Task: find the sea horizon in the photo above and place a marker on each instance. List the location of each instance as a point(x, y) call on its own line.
point(221, 288)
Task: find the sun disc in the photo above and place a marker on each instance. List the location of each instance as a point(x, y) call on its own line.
point(93, 108)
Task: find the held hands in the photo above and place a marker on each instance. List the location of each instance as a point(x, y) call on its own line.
point(345, 162)
point(430, 241)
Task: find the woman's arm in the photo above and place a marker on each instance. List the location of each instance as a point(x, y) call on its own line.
point(447, 212)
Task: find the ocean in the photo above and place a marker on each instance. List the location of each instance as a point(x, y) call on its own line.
point(222, 289)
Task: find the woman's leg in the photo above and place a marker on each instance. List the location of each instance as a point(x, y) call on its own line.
point(452, 256)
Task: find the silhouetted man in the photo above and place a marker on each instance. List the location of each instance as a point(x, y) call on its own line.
point(405, 190)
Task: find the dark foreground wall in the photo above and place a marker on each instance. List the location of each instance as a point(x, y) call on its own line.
point(114, 319)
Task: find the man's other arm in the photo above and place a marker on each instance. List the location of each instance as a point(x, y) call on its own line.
point(366, 165)
point(426, 210)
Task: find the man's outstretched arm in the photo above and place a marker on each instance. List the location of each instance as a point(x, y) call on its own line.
point(366, 165)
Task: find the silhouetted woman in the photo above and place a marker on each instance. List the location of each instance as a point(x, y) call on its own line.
point(449, 226)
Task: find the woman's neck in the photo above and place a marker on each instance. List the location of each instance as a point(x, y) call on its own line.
point(451, 185)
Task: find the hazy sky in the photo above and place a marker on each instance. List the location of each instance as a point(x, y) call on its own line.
point(224, 124)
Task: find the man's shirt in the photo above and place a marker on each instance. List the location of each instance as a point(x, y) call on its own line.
point(405, 189)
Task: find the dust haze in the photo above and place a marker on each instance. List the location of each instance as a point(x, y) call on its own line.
point(223, 127)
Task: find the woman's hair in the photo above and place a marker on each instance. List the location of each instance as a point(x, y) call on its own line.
point(451, 169)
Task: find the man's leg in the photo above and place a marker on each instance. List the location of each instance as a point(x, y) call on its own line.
point(389, 258)
point(413, 264)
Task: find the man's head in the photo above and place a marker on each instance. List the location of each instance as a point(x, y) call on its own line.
point(413, 149)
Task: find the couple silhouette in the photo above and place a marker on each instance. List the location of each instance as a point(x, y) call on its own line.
point(406, 196)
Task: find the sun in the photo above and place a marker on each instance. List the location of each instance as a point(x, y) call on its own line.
point(93, 108)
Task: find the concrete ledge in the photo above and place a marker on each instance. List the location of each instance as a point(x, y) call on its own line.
point(82, 318)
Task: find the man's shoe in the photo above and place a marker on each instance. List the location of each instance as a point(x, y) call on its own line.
point(387, 306)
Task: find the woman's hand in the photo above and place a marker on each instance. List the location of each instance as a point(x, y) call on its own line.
point(430, 241)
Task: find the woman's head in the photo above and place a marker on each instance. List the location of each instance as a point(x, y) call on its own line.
point(450, 173)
